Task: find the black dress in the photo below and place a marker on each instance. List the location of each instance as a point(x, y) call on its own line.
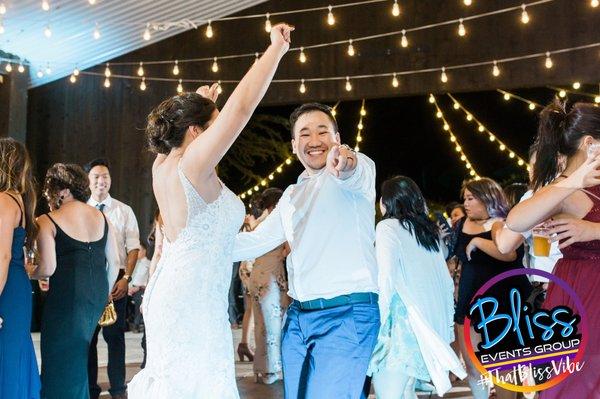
point(76, 299)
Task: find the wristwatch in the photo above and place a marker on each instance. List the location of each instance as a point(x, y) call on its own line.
point(127, 277)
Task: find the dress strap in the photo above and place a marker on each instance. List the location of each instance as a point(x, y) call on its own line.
point(53, 222)
point(19, 205)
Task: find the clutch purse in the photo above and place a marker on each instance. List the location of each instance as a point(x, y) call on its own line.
point(109, 316)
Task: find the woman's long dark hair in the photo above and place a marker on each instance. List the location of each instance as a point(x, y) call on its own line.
point(560, 131)
point(404, 201)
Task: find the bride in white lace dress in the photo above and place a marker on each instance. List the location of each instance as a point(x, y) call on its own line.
point(189, 340)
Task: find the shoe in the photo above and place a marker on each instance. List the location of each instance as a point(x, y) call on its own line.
point(244, 351)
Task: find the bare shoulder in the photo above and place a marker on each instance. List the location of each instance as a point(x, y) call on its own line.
point(8, 207)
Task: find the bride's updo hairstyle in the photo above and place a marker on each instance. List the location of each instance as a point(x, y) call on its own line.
point(168, 122)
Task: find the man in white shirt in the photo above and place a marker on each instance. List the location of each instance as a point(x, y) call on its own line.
point(328, 220)
point(127, 235)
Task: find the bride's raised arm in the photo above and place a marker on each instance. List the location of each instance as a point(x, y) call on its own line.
point(204, 153)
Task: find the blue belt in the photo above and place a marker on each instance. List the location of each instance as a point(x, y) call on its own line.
point(320, 303)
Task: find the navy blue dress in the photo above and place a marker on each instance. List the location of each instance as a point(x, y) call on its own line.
point(19, 376)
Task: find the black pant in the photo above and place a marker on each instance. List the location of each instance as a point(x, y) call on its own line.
point(236, 296)
point(114, 336)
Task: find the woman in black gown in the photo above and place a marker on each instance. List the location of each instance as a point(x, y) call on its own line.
point(77, 252)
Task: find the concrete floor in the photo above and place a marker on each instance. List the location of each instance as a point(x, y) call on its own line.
point(245, 379)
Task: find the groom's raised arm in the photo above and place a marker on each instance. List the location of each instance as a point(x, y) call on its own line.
point(267, 236)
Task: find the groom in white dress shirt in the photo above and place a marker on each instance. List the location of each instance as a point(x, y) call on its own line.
point(327, 218)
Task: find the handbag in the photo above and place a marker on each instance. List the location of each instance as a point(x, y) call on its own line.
point(109, 316)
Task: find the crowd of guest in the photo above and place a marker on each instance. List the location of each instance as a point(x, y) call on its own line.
point(429, 269)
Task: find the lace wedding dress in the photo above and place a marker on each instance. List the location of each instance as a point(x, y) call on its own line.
point(189, 340)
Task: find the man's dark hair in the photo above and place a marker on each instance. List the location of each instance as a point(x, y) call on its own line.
point(311, 107)
point(96, 162)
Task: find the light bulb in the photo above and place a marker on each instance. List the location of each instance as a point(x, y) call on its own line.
point(176, 68)
point(302, 56)
point(443, 76)
point(143, 84)
point(506, 96)
point(468, 165)
point(147, 35)
point(404, 40)
point(457, 148)
point(438, 114)
point(288, 161)
point(431, 98)
point(531, 106)
point(243, 196)
point(268, 24)
point(179, 87)
point(48, 70)
point(76, 72)
point(350, 48)
point(480, 128)
point(330, 17)
point(562, 94)
point(594, 3)
point(21, 68)
point(395, 82)
point(348, 84)
point(502, 147)
point(467, 2)
point(548, 62)
point(453, 139)
point(511, 155)
point(47, 31)
point(40, 74)
point(472, 173)
point(96, 33)
point(107, 71)
point(45, 5)
point(461, 28)
point(209, 30)
point(456, 106)
point(520, 162)
point(358, 139)
point(333, 112)
point(395, 9)
point(8, 67)
point(492, 138)
point(2, 9)
point(360, 126)
point(92, 2)
point(279, 169)
point(576, 85)
point(271, 176)
point(524, 14)
point(496, 70)
point(446, 126)
point(215, 66)
point(469, 117)
point(219, 88)
point(107, 83)
point(302, 87)
point(463, 158)
point(73, 79)
point(256, 56)
point(597, 99)
point(356, 148)
point(140, 70)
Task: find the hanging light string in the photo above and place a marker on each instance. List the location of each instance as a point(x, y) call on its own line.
point(532, 105)
point(367, 76)
point(264, 182)
point(345, 42)
point(562, 93)
point(360, 127)
point(492, 137)
point(458, 148)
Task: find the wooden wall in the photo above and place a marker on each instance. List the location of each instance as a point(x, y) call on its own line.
point(79, 122)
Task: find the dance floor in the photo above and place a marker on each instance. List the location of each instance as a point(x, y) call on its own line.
point(245, 378)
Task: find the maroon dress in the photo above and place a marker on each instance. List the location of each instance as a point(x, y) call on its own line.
point(580, 268)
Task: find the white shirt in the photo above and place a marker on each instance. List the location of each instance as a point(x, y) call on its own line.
point(124, 223)
point(545, 263)
point(140, 273)
point(329, 225)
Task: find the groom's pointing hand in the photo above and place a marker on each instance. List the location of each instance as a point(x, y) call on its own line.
point(341, 161)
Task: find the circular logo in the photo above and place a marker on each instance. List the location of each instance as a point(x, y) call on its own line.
point(524, 348)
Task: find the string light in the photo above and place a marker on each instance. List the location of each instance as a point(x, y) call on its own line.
point(140, 70)
point(576, 85)
point(302, 56)
point(350, 48)
point(461, 28)
point(548, 64)
point(496, 70)
point(360, 126)
point(404, 40)
point(507, 96)
point(143, 84)
point(268, 24)
point(176, 68)
point(47, 31)
point(8, 67)
point(96, 35)
point(45, 5)
point(209, 30)
point(395, 82)
point(348, 84)
point(395, 9)
point(107, 71)
point(76, 72)
point(302, 87)
point(443, 76)
point(215, 65)
point(265, 181)
point(107, 83)
point(481, 128)
point(21, 68)
point(524, 14)
point(219, 88)
point(147, 35)
point(40, 74)
point(454, 139)
point(594, 3)
point(2, 9)
point(73, 79)
point(179, 87)
point(330, 17)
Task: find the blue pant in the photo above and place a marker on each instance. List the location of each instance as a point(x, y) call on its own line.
point(326, 352)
